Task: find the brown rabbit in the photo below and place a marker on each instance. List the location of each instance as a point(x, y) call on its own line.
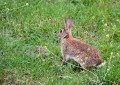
point(71, 48)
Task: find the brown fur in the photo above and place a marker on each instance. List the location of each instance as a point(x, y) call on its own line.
point(86, 55)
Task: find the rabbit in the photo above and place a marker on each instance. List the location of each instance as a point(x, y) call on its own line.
point(81, 52)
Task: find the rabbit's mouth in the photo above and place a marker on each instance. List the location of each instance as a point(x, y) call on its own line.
point(59, 36)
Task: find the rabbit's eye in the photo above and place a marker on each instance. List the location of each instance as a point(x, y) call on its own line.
point(60, 31)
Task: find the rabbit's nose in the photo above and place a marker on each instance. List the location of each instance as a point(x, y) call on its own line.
point(59, 36)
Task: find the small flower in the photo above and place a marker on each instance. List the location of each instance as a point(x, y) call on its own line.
point(103, 63)
point(105, 24)
point(111, 53)
point(45, 47)
point(117, 20)
point(104, 30)
point(117, 54)
point(102, 20)
point(108, 69)
point(93, 17)
point(27, 4)
point(7, 9)
point(107, 36)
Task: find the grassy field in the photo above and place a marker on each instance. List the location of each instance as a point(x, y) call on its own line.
point(26, 24)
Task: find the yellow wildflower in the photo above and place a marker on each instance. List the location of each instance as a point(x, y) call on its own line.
point(104, 60)
point(105, 24)
point(27, 4)
point(103, 63)
point(93, 17)
point(45, 46)
point(102, 20)
point(104, 30)
point(7, 9)
point(108, 69)
point(111, 53)
point(117, 20)
point(107, 35)
point(117, 53)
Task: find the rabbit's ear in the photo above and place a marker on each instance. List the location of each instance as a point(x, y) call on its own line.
point(68, 23)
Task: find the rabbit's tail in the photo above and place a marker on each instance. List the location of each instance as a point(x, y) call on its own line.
point(102, 64)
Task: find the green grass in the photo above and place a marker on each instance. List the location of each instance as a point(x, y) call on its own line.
point(25, 24)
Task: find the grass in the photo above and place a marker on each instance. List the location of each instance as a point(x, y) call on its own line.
point(25, 24)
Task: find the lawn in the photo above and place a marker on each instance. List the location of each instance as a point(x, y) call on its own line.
point(30, 48)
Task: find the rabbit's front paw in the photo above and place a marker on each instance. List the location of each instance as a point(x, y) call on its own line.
point(64, 62)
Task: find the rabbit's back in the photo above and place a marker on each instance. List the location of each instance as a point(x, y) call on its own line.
point(74, 46)
point(81, 51)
